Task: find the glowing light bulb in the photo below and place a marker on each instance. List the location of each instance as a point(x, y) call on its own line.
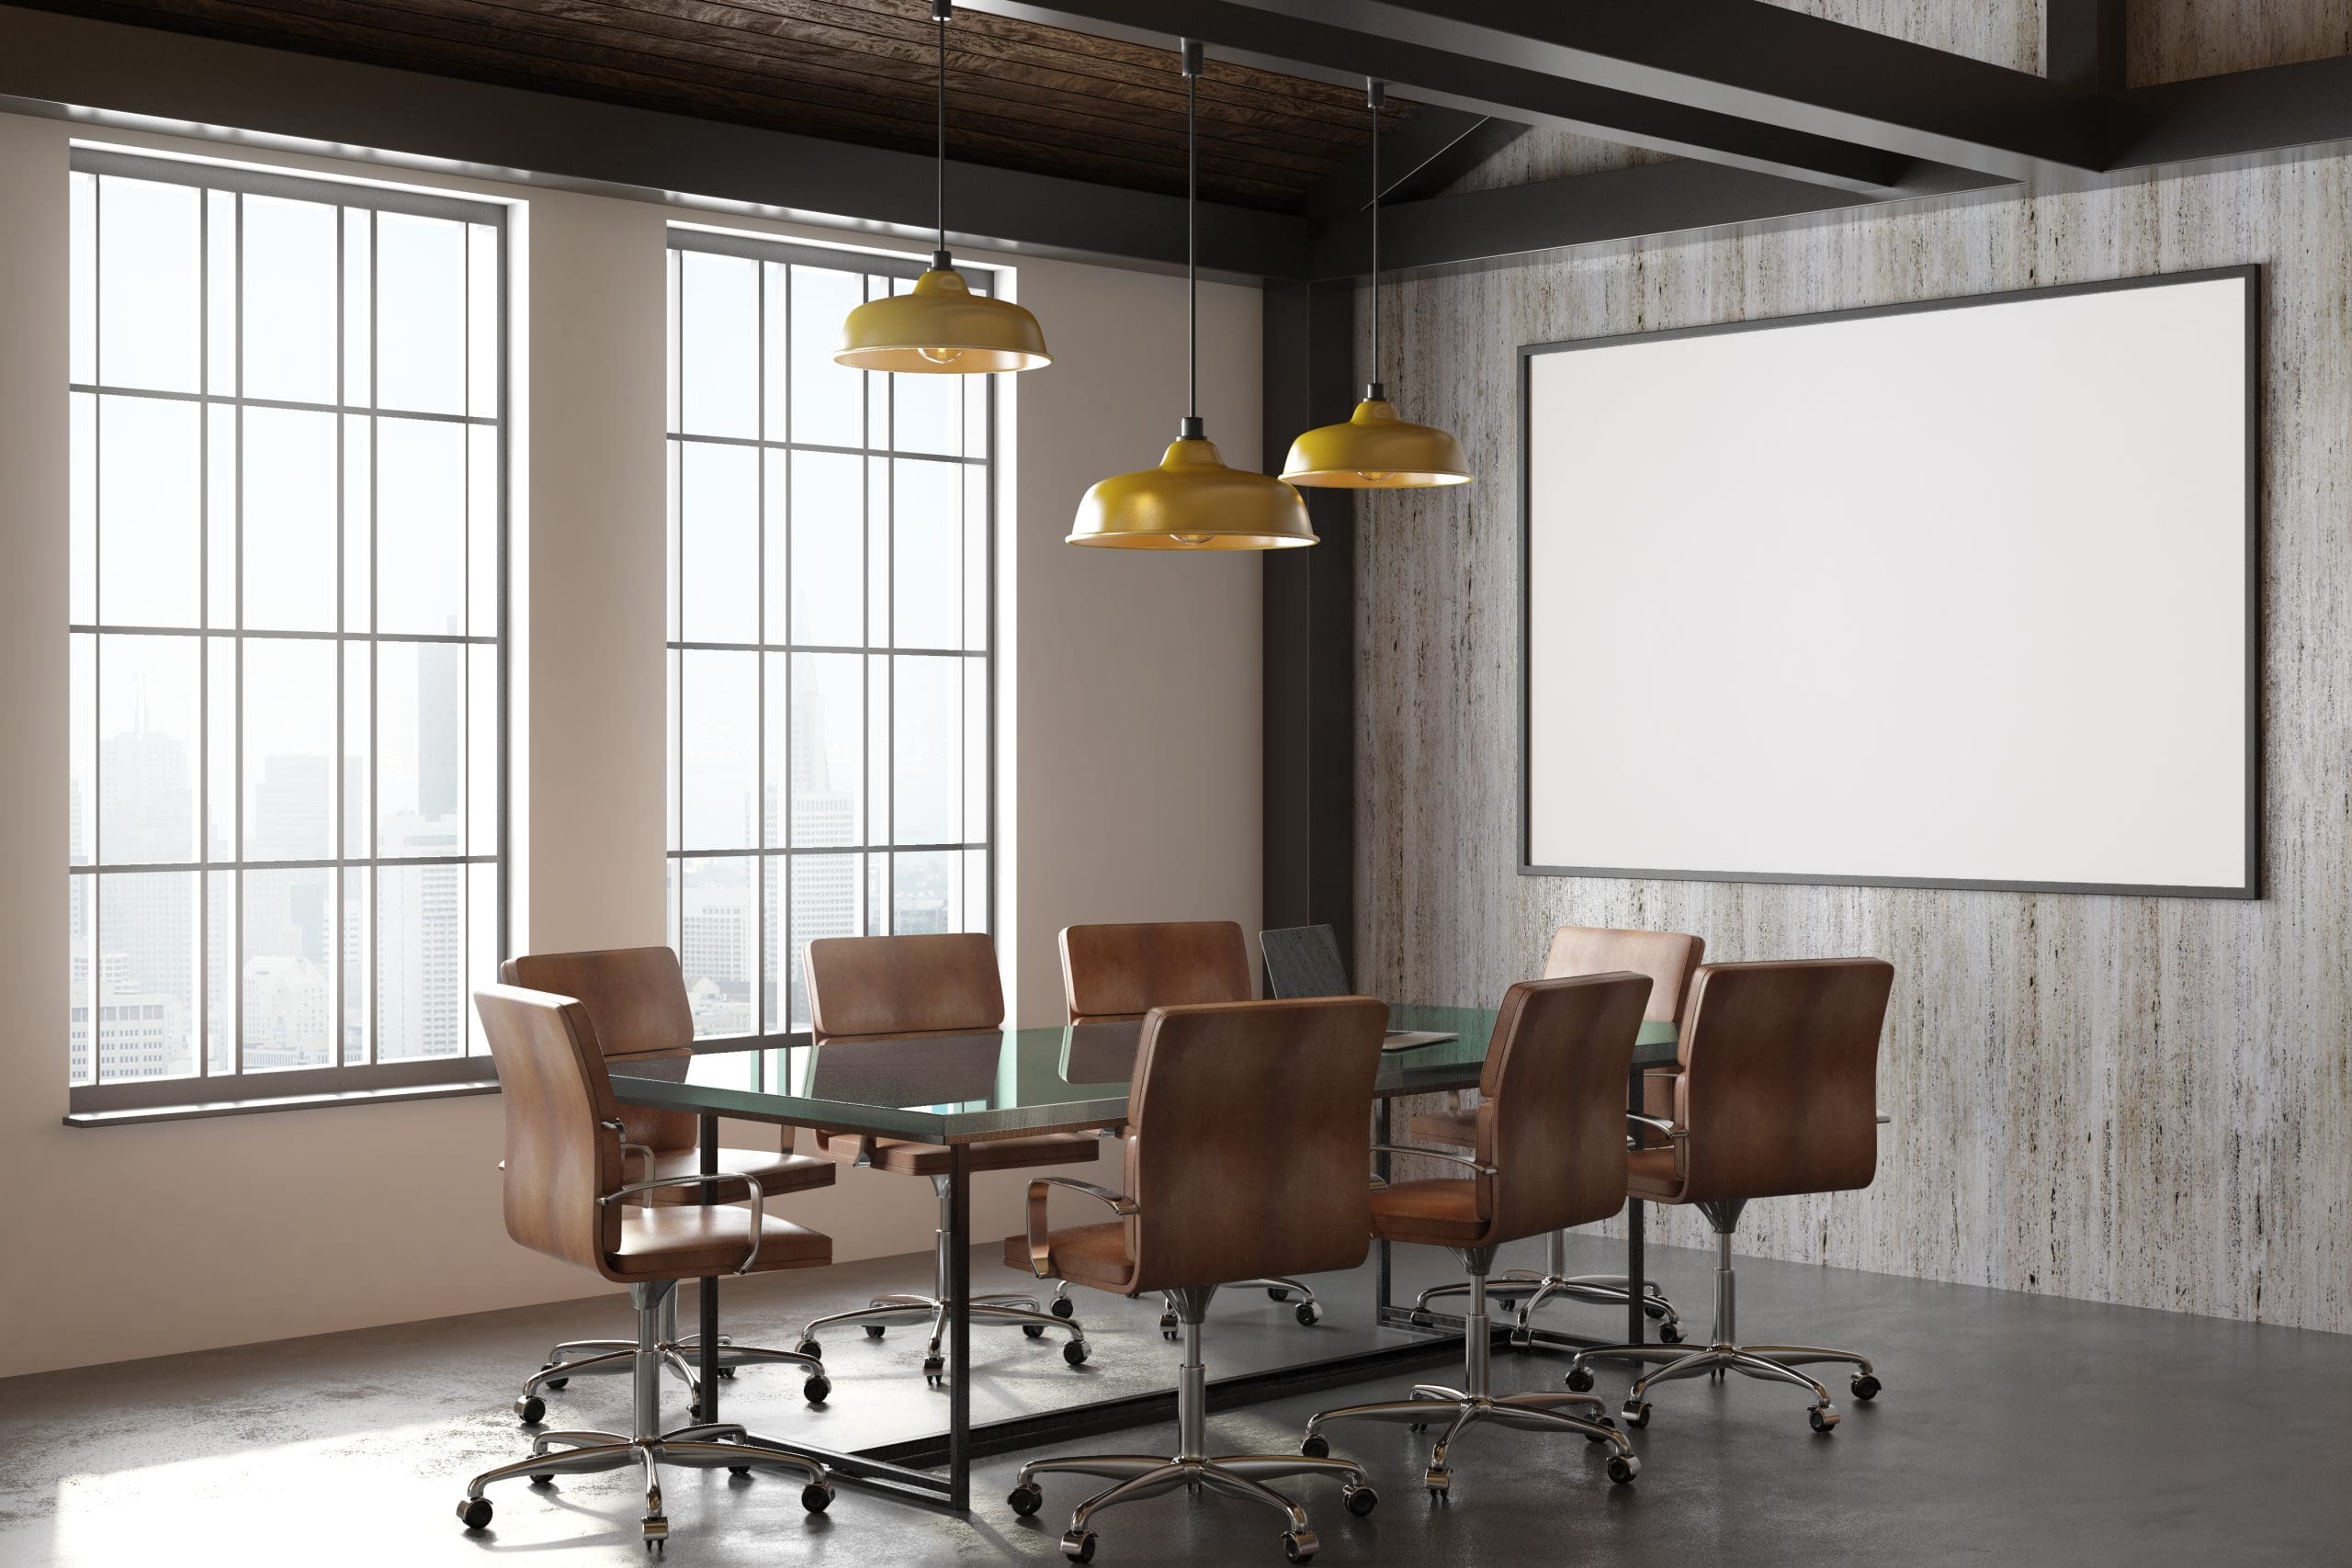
point(1189, 538)
point(1376, 479)
point(941, 355)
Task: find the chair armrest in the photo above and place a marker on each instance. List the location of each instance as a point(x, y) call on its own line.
point(1040, 1247)
point(1655, 1124)
point(1434, 1154)
point(617, 1128)
point(759, 1201)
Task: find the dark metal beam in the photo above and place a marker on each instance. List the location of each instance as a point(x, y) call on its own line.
point(1582, 209)
point(1427, 151)
point(1488, 72)
point(167, 81)
point(2276, 110)
point(1307, 773)
point(2082, 44)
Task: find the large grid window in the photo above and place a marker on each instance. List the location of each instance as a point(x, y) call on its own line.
point(831, 734)
point(287, 658)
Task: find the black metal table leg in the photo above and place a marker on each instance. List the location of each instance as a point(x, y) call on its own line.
point(959, 1326)
point(1636, 1266)
point(706, 1296)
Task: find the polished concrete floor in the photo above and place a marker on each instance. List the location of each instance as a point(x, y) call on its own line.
point(2013, 1429)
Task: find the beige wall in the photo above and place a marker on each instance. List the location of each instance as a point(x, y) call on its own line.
point(258, 1227)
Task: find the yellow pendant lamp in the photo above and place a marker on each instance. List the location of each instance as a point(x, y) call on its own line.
point(1192, 502)
point(942, 327)
point(1375, 450)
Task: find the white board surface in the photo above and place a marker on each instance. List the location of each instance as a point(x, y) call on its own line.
point(1937, 596)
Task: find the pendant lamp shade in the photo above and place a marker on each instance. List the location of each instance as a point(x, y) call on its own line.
point(941, 327)
point(1375, 450)
point(1192, 502)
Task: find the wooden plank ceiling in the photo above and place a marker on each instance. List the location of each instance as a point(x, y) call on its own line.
point(1019, 95)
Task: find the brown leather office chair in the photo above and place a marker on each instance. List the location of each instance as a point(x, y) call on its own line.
point(635, 1001)
point(902, 987)
point(1248, 1138)
point(1548, 1153)
point(1777, 1095)
point(568, 1195)
point(1668, 960)
point(1118, 973)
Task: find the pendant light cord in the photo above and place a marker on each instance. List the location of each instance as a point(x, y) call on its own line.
point(1193, 228)
point(1376, 92)
point(939, 13)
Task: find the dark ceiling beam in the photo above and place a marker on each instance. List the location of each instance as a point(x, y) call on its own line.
point(2279, 109)
point(2082, 44)
point(1758, 87)
point(1490, 74)
point(1419, 156)
point(1644, 202)
point(167, 81)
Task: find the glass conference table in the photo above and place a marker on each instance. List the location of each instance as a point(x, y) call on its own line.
point(958, 1091)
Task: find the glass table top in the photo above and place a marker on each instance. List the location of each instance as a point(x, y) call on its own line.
point(1003, 1083)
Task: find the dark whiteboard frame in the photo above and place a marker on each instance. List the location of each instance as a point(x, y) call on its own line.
point(2250, 887)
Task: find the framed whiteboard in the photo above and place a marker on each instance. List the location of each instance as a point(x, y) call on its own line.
point(1953, 595)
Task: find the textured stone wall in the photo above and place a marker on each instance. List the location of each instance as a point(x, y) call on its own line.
point(2128, 1100)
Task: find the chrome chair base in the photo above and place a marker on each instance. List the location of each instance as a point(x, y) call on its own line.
point(679, 1356)
point(1723, 1353)
point(649, 1448)
point(1137, 1476)
point(1309, 1311)
point(1532, 1290)
point(1021, 1312)
point(1460, 1408)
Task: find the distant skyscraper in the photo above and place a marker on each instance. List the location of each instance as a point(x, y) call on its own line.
point(419, 943)
point(146, 920)
point(439, 670)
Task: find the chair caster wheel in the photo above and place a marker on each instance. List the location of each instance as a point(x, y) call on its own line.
point(816, 1496)
point(1623, 1468)
point(934, 1370)
point(875, 1330)
point(1034, 1330)
point(1075, 1352)
point(1522, 1341)
point(1063, 1308)
point(474, 1512)
point(1579, 1378)
point(1822, 1417)
point(1299, 1545)
point(1438, 1482)
point(738, 1470)
point(727, 1373)
point(694, 1412)
point(543, 1479)
point(1276, 1294)
point(1865, 1387)
point(1599, 1421)
point(1637, 1412)
point(1360, 1500)
point(816, 1389)
point(551, 1384)
point(530, 1409)
point(1315, 1446)
point(1027, 1498)
point(1079, 1546)
point(656, 1529)
point(1669, 1333)
point(1168, 1324)
point(1309, 1313)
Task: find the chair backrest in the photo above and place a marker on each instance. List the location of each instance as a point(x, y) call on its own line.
point(1305, 961)
point(901, 985)
point(1669, 958)
point(1778, 1088)
point(1123, 972)
point(1250, 1146)
point(635, 998)
point(1552, 1108)
point(553, 1080)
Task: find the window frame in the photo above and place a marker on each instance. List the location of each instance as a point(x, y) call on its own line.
point(204, 1091)
point(760, 249)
